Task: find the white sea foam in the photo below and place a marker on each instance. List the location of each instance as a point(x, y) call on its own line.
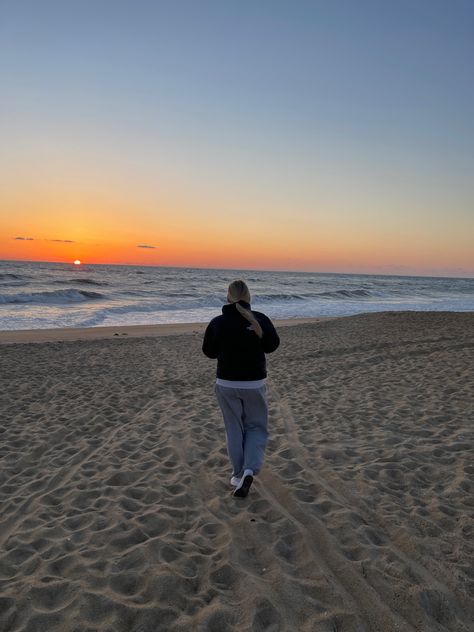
point(51, 297)
point(30, 297)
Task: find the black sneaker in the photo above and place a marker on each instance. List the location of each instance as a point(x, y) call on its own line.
point(243, 489)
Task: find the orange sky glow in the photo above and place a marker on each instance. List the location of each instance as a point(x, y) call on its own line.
point(61, 226)
point(317, 139)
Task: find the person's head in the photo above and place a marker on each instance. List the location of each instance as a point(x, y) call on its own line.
point(238, 291)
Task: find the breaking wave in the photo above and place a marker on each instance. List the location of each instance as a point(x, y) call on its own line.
point(57, 296)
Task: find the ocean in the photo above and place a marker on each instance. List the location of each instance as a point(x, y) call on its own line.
point(35, 295)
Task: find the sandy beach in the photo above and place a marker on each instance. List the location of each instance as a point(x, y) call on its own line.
point(116, 509)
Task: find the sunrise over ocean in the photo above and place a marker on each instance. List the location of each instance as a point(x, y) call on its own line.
point(236, 316)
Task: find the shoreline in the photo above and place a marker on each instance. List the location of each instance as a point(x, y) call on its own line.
point(38, 336)
point(65, 334)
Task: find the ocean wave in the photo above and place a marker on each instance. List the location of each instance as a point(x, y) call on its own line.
point(268, 298)
point(342, 294)
point(335, 294)
point(160, 311)
point(70, 295)
point(84, 281)
point(9, 276)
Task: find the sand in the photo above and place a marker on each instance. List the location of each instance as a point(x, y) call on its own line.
point(116, 509)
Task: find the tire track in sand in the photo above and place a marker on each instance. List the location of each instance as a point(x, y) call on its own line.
point(378, 615)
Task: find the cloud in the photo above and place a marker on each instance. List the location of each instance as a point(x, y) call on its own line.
point(61, 241)
point(145, 246)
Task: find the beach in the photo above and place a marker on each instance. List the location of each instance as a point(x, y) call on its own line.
point(117, 513)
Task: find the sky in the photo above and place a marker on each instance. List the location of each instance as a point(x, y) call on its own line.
point(332, 136)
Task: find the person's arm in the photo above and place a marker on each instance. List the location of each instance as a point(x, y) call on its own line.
point(270, 338)
point(209, 345)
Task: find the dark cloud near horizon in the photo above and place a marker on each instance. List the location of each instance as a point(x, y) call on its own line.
point(61, 241)
point(145, 246)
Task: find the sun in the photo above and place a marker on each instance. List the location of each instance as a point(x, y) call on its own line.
point(77, 262)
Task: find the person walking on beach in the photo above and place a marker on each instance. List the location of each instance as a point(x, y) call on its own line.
point(239, 339)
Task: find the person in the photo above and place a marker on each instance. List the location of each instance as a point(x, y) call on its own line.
point(239, 338)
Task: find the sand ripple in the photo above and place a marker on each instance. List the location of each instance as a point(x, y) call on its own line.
point(116, 509)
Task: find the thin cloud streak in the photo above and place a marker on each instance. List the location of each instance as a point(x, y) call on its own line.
point(145, 246)
point(59, 241)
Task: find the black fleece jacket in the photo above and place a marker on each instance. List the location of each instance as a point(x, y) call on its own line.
point(239, 351)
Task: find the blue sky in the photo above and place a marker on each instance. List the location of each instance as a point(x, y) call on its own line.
point(331, 117)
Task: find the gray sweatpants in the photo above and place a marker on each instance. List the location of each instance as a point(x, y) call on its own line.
point(245, 414)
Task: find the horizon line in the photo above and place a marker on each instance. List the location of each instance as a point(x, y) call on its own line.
point(280, 270)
